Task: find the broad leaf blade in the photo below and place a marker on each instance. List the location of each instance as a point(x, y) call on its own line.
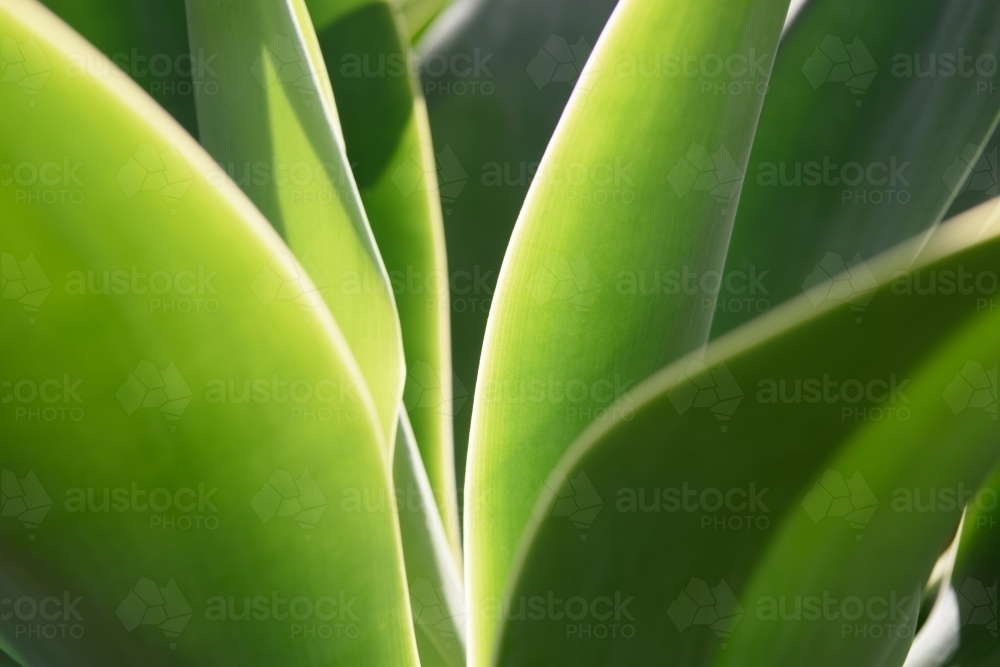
point(494, 101)
point(389, 148)
point(177, 482)
point(870, 128)
point(273, 126)
point(566, 332)
point(752, 480)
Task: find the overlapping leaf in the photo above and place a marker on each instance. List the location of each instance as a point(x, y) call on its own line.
point(180, 458)
point(494, 99)
point(273, 127)
point(768, 500)
point(876, 114)
point(639, 183)
point(389, 148)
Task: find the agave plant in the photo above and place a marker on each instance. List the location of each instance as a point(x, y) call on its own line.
point(735, 401)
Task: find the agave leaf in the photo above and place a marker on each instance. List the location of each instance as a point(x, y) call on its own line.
point(750, 484)
point(273, 126)
point(176, 473)
point(961, 628)
point(146, 40)
point(858, 146)
point(388, 145)
point(638, 180)
point(435, 585)
point(492, 114)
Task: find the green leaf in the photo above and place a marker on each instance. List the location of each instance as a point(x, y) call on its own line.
point(492, 111)
point(175, 471)
point(858, 147)
point(750, 484)
point(567, 333)
point(435, 584)
point(388, 145)
point(273, 127)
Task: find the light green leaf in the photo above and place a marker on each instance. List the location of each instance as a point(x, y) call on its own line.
point(273, 127)
point(435, 584)
point(870, 127)
point(389, 148)
point(146, 40)
point(494, 101)
point(174, 474)
point(638, 180)
point(750, 484)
